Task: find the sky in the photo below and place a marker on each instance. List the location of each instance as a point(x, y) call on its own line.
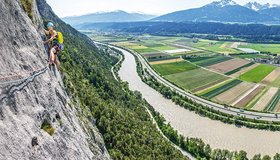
point(65, 8)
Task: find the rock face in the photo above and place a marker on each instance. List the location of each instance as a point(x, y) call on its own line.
point(38, 101)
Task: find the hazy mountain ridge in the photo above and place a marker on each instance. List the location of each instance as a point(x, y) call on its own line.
point(115, 16)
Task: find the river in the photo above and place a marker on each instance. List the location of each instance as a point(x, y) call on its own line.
point(189, 124)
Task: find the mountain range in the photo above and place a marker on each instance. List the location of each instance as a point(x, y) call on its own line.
point(226, 11)
point(114, 16)
point(217, 11)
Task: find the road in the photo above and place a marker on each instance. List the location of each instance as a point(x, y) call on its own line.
point(207, 103)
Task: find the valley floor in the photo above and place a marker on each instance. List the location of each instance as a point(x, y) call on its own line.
point(215, 133)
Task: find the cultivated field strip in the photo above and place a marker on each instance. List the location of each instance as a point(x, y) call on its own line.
point(206, 90)
point(239, 69)
point(221, 89)
point(155, 54)
point(246, 100)
point(201, 88)
point(212, 61)
point(172, 68)
point(244, 70)
point(271, 106)
point(271, 77)
point(242, 96)
point(277, 108)
point(265, 99)
point(190, 80)
point(231, 95)
point(229, 65)
point(167, 61)
point(257, 74)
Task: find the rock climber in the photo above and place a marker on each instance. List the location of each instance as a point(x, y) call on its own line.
point(55, 42)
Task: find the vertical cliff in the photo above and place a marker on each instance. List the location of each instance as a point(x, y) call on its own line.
point(38, 120)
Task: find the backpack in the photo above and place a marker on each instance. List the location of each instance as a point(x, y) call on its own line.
point(60, 38)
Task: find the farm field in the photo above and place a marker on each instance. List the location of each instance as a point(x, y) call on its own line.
point(244, 70)
point(193, 79)
point(265, 99)
point(229, 96)
point(272, 48)
point(213, 87)
point(199, 89)
point(257, 74)
point(167, 61)
point(155, 54)
point(276, 82)
point(274, 102)
point(229, 65)
point(249, 97)
point(211, 61)
point(250, 56)
point(172, 68)
point(239, 68)
point(271, 77)
point(215, 46)
point(221, 89)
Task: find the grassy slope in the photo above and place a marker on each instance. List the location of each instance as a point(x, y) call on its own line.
point(257, 74)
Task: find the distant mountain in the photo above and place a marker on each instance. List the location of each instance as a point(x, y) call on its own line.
point(257, 6)
point(273, 12)
point(218, 11)
point(115, 16)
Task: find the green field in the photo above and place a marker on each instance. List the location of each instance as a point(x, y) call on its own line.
point(272, 48)
point(172, 68)
point(257, 74)
point(211, 61)
point(221, 89)
point(193, 79)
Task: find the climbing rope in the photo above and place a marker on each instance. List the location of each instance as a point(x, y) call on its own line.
point(31, 74)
